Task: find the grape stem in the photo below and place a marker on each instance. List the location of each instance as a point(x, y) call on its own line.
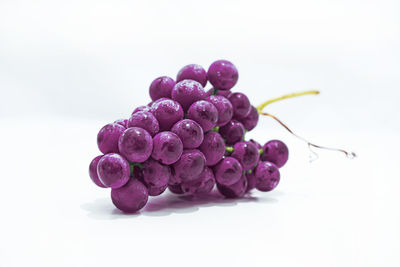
point(230, 149)
point(312, 92)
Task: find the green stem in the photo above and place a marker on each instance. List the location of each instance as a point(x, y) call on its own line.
point(229, 149)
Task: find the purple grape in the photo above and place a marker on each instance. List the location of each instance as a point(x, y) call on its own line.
point(256, 143)
point(193, 72)
point(275, 151)
point(204, 113)
point(167, 112)
point(241, 105)
point(113, 170)
point(122, 122)
point(161, 87)
point(142, 108)
point(155, 173)
point(154, 103)
point(222, 74)
point(144, 120)
point(93, 171)
point(167, 147)
point(156, 190)
point(190, 132)
point(208, 181)
point(107, 138)
point(233, 132)
point(247, 154)
point(175, 188)
point(189, 166)
point(235, 190)
point(267, 176)
point(213, 148)
point(251, 120)
point(135, 144)
point(187, 92)
point(202, 185)
point(228, 171)
point(131, 197)
point(251, 180)
point(224, 108)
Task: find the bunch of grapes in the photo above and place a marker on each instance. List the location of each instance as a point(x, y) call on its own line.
point(187, 140)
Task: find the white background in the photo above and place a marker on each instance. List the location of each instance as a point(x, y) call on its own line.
point(69, 67)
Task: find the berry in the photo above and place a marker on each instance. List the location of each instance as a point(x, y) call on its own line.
point(93, 171)
point(122, 122)
point(107, 138)
point(213, 148)
point(228, 171)
point(267, 176)
point(222, 74)
point(113, 170)
point(204, 113)
point(235, 190)
point(167, 113)
point(241, 105)
point(161, 87)
point(224, 108)
point(251, 181)
point(142, 108)
point(145, 120)
point(275, 151)
point(251, 120)
point(190, 132)
point(167, 148)
point(189, 166)
point(135, 144)
point(187, 92)
point(156, 190)
point(131, 197)
point(258, 145)
point(155, 174)
point(193, 72)
point(247, 154)
point(233, 132)
point(208, 181)
point(175, 188)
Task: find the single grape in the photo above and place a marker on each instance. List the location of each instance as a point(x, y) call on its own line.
point(142, 108)
point(190, 132)
point(167, 113)
point(258, 145)
point(155, 173)
point(107, 138)
point(224, 108)
point(145, 120)
point(189, 166)
point(191, 187)
point(122, 122)
point(275, 151)
point(193, 72)
point(204, 113)
point(156, 190)
point(131, 197)
point(135, 144)
point(267, 176)
point(167, 147)
point(247, 154)
point(161, 87)
point(208, 181)
point(93, 171)
point(175, 188)
point(233, 132)
point(113, 170)
point(241, 105)
point(228, 171)
point(251, 120)
point(187, 92)
point(213, 148)
point(154, 103)
point(222, 74)
point(251, 180)
point(235, 190)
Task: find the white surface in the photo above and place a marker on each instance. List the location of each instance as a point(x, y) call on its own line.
point(68, 68)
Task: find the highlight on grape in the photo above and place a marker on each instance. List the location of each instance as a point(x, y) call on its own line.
point(187, 140)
